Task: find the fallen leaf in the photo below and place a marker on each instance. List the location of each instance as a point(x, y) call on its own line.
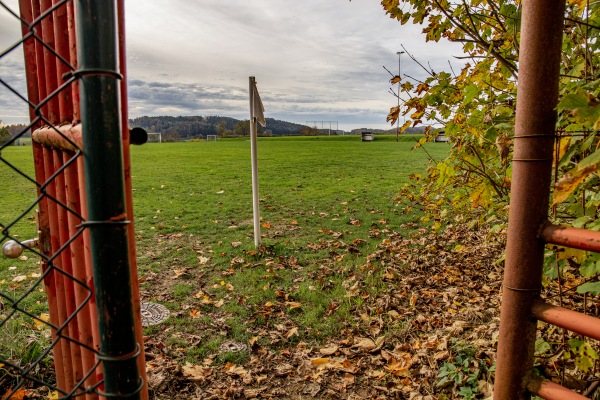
point(365, 344)
point(220, 303)
point(195, 372)
point(39, 323)
point(293, 304)
point(195, 314)
point(203, 260)
point(236, 244)
point(19, 278)
point(291, 332)
point(319, 361)
point(328, 351)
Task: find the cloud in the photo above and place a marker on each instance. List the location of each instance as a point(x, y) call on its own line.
point(312, 59)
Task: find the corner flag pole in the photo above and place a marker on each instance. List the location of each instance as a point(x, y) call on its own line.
point(256, 115)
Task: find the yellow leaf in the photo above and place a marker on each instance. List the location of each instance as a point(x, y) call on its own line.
point(266, 225)
point(195, 314)
point(395, 80)
point(39, 325)
point(563, 146)
point(53, 395)
point(569, 182)
point(293, 304)
point(319, 361)
point(580, 3)
point(566, 253)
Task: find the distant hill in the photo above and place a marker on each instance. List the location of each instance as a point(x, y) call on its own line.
point(188, 127)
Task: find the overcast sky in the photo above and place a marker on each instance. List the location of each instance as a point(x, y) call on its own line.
point(314, 60)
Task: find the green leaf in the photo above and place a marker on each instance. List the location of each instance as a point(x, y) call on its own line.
point(592, 158)
point(541, 346)
point(590, 288)
point(590, 267)
point(573, 101)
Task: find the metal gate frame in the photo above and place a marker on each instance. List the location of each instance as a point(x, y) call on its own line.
point(528, 226)
point(75, 49)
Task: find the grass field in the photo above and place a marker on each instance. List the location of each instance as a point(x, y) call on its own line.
point(326, 202)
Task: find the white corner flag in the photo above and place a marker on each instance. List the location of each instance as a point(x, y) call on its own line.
point(257, 108)
point(256, 115)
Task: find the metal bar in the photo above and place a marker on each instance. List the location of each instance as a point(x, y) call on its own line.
point(53, 281)
point(96, 30)
point(68, 294)
point(563, 318)
point(552, 391)
point(82, 293)
point(61, 36)
point(89, 272)
point(577, 238)
point(73, 59)
point(48, 136)
point(537, 96)
point(49, 62)
point(137, 306)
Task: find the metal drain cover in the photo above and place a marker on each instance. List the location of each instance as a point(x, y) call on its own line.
point(233, 346)
point(153, 313)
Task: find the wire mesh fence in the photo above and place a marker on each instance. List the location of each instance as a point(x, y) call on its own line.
point(50, 333)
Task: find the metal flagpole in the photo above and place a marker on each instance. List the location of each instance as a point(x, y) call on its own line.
point(255, 209)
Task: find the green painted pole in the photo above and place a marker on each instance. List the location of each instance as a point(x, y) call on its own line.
point(96, 28)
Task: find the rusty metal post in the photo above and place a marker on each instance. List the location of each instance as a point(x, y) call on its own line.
point(96, 29)
point(137, 306)
point(537, 96)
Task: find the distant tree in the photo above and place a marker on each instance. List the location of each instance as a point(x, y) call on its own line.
point(308, 131)
point(242, 128)
point(171, 136)
point(4, 133)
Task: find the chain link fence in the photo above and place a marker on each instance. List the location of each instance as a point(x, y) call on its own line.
point(61, 327)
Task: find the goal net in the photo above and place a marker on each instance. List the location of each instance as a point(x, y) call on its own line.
point(154, 137)
point(211, 138)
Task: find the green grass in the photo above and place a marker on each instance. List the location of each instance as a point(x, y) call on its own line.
point(319, 195)
point(326, 202)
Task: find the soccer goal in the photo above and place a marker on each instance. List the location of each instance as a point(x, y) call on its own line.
point(211, 138)
point(154, 137)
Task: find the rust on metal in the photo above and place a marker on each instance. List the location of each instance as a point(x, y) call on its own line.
point(537, 97)
point(563, 318)
point(61, 137)
point(577, 238)
point(552, 391)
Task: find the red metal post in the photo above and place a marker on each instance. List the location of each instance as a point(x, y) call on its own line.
point(141, 361)
point(537, 95)
point(573, 321)
point(66, 271)
point(82, 292)
point(551, 391)
point(577, 238)
point(53, 284)
point(49, 61)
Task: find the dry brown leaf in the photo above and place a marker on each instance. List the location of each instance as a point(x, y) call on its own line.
point(365, 344)
point(195, 372)
point(328, 351)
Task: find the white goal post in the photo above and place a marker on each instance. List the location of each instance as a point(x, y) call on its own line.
point(154, 137)
point(211, 138)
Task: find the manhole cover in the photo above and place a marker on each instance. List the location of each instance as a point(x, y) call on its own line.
point(153, 313)
point(233, 346)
